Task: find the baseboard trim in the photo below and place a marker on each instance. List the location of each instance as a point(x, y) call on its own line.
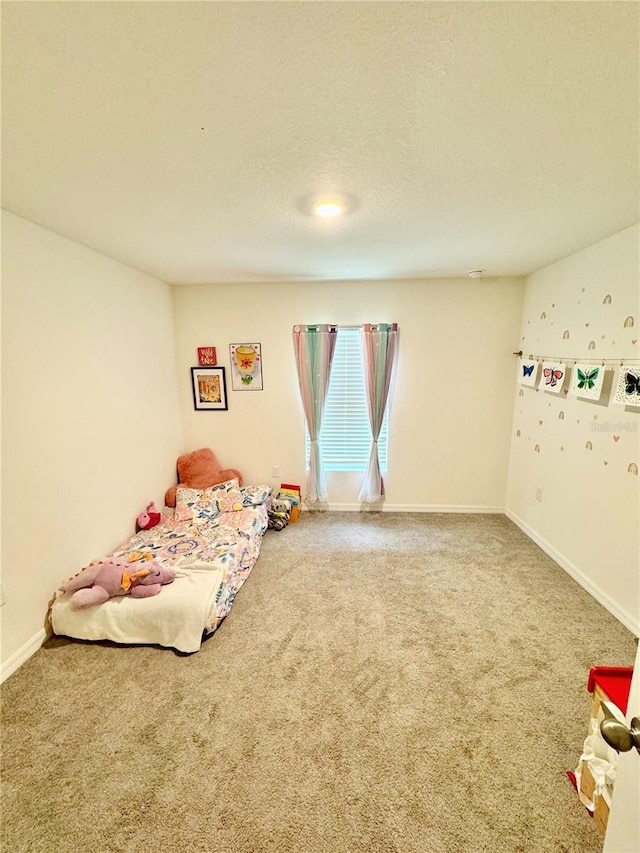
point(385, 507)
point(586, 583)
point(23, 654)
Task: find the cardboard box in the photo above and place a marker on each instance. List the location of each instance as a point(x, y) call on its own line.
point(601, 807)
point(601, 814)
point(606, 684)
point(598, 696)
point(587, 782)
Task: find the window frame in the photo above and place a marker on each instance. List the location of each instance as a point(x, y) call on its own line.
point(347, 391)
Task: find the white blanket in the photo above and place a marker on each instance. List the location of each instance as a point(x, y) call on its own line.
point(161, 619)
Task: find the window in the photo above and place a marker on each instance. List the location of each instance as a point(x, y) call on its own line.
point(345, 437)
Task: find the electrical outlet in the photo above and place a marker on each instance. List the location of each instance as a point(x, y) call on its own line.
point(539, 494)
point(275, 471)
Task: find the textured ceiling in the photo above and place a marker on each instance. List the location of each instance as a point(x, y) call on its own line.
point(181, 138)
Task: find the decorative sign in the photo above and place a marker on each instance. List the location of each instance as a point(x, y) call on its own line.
point(246, 367)
point(528, 372)
point(207, 356)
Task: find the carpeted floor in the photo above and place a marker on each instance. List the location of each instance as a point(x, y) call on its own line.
point(384, 684)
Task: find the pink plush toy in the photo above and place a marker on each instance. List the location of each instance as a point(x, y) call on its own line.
point(200, 470)
point(147, 520)
point(106, 579)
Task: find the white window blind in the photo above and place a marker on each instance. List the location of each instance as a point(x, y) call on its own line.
point(345, 437)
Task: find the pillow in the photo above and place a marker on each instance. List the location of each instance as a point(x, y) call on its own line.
point(227, 486)
point(255, 495)
point(201, 505)
point(231, 501)
point(200, 470)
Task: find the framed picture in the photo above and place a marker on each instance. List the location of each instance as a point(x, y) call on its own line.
point(207, 356)
point(209, 388)
point(246, 367)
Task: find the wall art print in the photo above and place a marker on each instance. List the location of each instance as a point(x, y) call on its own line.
point(628, 388)
point(209, 389)
point(553, 376)
point(207, 356)
point(587, 381)
point(246, 367)
point(528, 372)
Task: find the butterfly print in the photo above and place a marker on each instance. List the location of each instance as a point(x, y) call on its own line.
point(587, 379)
point(527, 369)
point(632, 384)
point(551, 377)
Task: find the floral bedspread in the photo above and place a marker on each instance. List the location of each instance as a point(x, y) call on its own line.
point(231, 542)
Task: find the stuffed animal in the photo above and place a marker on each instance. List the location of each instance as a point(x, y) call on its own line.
point(278, 513)
point(200, 470)
point(109, 578)
point(147, 520)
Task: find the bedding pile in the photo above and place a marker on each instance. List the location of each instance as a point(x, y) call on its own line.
point(212, 540)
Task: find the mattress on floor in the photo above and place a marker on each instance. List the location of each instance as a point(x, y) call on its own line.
point(211, 561)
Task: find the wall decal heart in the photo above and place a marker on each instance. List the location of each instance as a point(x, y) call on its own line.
point(616, 438)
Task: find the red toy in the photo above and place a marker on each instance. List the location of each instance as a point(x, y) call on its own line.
point(147, 520)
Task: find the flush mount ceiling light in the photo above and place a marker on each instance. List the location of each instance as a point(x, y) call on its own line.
point(475, 273)
point(328, 207)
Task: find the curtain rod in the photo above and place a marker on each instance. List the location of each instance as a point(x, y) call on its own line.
point(565, 359)
point(341, 326)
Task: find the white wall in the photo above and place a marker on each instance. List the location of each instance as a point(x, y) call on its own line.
point(92, 410)
point(90, 420)
point(589, 518)
point(451, 414)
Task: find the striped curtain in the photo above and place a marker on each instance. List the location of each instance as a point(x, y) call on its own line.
point(379, 349)
point(314, 347)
